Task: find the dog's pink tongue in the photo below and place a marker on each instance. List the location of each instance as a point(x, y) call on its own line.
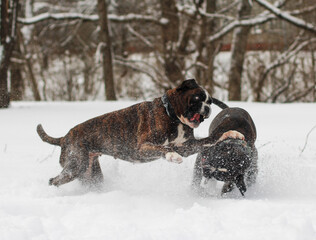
point(196, 117)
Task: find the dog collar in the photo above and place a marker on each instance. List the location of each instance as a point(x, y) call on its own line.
point(169, 109)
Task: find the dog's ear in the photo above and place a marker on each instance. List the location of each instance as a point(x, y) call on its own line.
point(187, 85)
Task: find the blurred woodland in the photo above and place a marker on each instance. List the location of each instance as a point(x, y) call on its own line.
point(244, 50)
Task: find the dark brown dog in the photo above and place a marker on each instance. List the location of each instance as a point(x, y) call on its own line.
point(233, 161)
point(140, 133)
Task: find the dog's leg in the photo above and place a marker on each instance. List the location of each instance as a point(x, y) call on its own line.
point(228, 187)
point(151, 151)
point(97, 175)
point(93, 175)
point(197, 175)
point(67, 175)
point(74, 163)
point(200, 184)
point(193, 146)
point(240, 183)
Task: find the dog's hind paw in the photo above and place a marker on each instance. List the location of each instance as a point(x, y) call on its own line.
point(173, 157)
point(52, 181)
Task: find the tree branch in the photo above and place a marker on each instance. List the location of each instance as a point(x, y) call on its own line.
point(306, 139)
point(146, 68)
point(139, 36)
point(292, 51)
point(237, 23)
point(260, 19)
point(93, 18)
point(281, 60)
point(189, 10)
point(287, 17)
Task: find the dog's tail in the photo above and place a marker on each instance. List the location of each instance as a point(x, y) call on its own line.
point(219, 103)
point(44, 136)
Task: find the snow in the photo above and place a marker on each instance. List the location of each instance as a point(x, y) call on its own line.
point(153, 200)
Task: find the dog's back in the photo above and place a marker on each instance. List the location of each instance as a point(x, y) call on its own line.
point(233, 119)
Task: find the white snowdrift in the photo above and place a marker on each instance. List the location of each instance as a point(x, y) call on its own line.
point(152, 200)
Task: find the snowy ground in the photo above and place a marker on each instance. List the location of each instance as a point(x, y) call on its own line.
point(153, 201)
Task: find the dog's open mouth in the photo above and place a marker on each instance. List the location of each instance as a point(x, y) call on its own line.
point(197, 118)
point(194, 121)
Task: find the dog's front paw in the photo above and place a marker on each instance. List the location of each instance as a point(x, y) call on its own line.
point(173, 157)
point(231, 134)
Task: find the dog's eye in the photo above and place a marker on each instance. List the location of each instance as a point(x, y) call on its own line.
point(196, 98)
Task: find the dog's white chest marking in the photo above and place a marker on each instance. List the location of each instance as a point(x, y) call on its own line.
point(180, 139)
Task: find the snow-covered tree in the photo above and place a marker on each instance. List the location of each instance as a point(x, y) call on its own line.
point(165, 42)
point(8, 36)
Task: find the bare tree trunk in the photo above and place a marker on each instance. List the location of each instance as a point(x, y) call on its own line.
point(313, 73)
point(207, 51)
point(33, 80)
point(69, 79)
point(170, 37)
point(239, 44)
point(105, 39)
point(8, 38)
point(17, 84)
point(29, 67)
point(87, 75)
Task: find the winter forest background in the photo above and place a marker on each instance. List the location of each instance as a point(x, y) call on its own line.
point(248, 50)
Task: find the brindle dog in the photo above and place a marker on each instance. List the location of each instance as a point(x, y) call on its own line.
point(141, 133)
